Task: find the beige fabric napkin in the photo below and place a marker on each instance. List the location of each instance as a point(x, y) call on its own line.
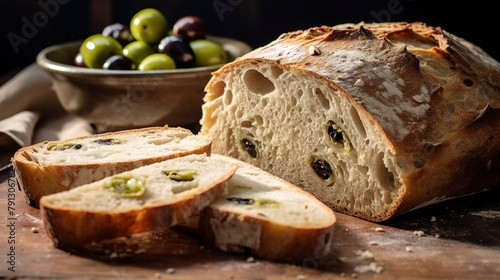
point(30, 113)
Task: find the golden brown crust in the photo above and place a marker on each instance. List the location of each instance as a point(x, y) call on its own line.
point(36, 180)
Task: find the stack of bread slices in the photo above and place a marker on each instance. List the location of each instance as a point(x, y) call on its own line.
point(106, 186)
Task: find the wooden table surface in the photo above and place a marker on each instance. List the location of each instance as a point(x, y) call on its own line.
point(457, 239)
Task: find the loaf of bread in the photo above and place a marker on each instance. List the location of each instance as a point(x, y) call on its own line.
point(148, 198)
point(267, 217)
point(374, 119)
point(54, 166)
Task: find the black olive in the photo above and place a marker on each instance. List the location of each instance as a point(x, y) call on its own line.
point(109, 141)
point(238, 200)
point(321, 167)
point(178, 49)
point(335, 132)
point(104, 141)
point(62, 147)
point(119, 62)
point(249, 147)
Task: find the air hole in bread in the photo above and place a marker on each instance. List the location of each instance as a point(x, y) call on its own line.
point(276, 71)
point(246, 123)
point(341, 169)
point(318, 93)
point(258, 120)
point(227, 98)
point(356, 121)
point(218, 89)
point(382, 173)
point(257, 83)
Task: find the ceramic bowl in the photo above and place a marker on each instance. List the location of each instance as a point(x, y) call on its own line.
point(112, 100)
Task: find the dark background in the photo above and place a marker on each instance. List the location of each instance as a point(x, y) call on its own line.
point(256, 22)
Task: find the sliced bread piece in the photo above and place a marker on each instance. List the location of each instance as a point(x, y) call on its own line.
point(54, 166)
point(149, 198)
point(267, 217)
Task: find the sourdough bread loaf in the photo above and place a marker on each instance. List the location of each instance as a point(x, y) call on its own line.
point(267, 217)
point(148, 198)
point(54, 166)
point(374, 119)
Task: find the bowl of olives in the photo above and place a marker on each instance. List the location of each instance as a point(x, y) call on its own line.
point(139, 75)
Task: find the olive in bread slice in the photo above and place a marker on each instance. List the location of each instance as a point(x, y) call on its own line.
point(148, 198)
point(54, 166)
point(268, 217)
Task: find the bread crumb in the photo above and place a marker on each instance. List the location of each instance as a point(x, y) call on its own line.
point(157, 275)
point(437, 236)
point(250, 260)
point(170, 270)
point(354, 275)
point(418, 233)
point(379, 229)
point(35, 230)
point(373, 243)
point(409, 249)
point(365, 255)
point(313, 50)
point(342, 274)
point(301, 277)
point(433, 219)
point(372, 267)
point(113, 255)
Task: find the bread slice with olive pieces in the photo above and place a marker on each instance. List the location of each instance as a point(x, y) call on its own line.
point(267, 217)
point(148, 198)
point(374, 119)
point(54, 166)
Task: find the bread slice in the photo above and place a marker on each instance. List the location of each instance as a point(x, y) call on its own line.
point(54, 166)
point(374, 119)
point(148, 198)
point(267, 217)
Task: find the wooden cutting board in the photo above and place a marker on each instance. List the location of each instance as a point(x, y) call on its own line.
point(458, 239)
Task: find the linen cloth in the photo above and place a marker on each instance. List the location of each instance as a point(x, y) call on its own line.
point(31, 113)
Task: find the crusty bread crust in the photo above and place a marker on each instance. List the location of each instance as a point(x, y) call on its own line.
point(300, 229)
point(420, 106)
point(37, 179)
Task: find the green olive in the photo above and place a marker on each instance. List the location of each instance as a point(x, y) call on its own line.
point(97, 48)
point(157, 61)
point(137, 51)
point(208, 53)
point(127, 186)
point(149, 25)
